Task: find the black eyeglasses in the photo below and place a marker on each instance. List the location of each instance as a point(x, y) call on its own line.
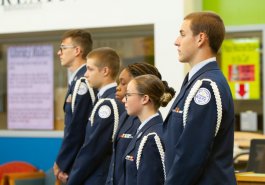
point(131, 94)
point(62, 47)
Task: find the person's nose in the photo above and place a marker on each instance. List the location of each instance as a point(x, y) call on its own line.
point(59, 52)
point(124, 99)
point(118, 88)
point(86, 74)
point(177, 42)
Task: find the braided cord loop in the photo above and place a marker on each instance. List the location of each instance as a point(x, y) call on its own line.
point(116, 114)
point(217, 96)
point(160, 150)
point(76, 88)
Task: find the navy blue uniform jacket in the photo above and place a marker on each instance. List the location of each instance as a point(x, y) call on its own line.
point(194, 155)
point(127, 129)
point(150, 170)
point(75, 124)
point(92, 162)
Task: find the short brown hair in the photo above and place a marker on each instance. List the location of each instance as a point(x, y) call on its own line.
point(81, 38)
point(209, 23)
point(106, 57)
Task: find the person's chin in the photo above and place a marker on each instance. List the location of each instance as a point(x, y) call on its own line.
point(118, 97)
point(181, 60)
point(128, 112)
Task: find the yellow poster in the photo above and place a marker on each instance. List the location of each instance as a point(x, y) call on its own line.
point(241, 66)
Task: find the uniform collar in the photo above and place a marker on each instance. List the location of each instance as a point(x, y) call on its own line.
point(105, 88)
point(72, 75)
point(146, 121)
point(200, 65)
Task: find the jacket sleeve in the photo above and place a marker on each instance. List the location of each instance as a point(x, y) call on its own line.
point(97, 147)
point(74, 137)
point(195, 144)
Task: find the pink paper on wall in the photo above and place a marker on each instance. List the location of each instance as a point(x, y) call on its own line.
point(30, 87)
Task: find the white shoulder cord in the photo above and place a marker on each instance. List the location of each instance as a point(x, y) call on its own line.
point(77, 85)
point(191, 95)
point(116, 113)
point(160, 150)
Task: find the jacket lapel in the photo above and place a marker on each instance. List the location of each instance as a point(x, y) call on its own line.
point(127, 124)
point(141, 133)
point(68, 93)
point(78, 75)
point(123, 119)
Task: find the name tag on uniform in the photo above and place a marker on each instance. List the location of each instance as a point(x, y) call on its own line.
point(177, 109)
point(129, 158)
point(126, 136)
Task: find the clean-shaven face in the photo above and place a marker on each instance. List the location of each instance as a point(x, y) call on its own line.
point(133, 99)
point(124, 78)
point(66, 52)
point(186, 43)
point(93, 74)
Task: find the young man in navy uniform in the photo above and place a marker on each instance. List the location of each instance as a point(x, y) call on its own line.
point(199, 129)
point(75, 46)
point(92, 162)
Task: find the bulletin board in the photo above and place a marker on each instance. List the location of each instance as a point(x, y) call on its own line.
point(241, 66)
point(241, 60)
point(30, 87)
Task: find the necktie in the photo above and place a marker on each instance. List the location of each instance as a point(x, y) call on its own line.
point(68, 89)
point(186, 79)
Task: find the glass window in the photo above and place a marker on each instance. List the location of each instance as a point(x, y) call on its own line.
point(241, 61)
point(133, 44)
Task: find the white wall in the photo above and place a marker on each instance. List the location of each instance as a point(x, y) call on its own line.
point(56, 15)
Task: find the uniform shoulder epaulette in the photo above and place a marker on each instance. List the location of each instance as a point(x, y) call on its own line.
point(160, 150)
point(115, 111)
point(84, 84)
point(193, 93)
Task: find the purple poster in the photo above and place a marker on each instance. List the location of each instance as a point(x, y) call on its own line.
point(30, 87)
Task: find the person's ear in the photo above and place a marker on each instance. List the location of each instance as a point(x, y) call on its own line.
point(105, 71)
point(145, 99)
point(201, 39)
point(78, 51)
